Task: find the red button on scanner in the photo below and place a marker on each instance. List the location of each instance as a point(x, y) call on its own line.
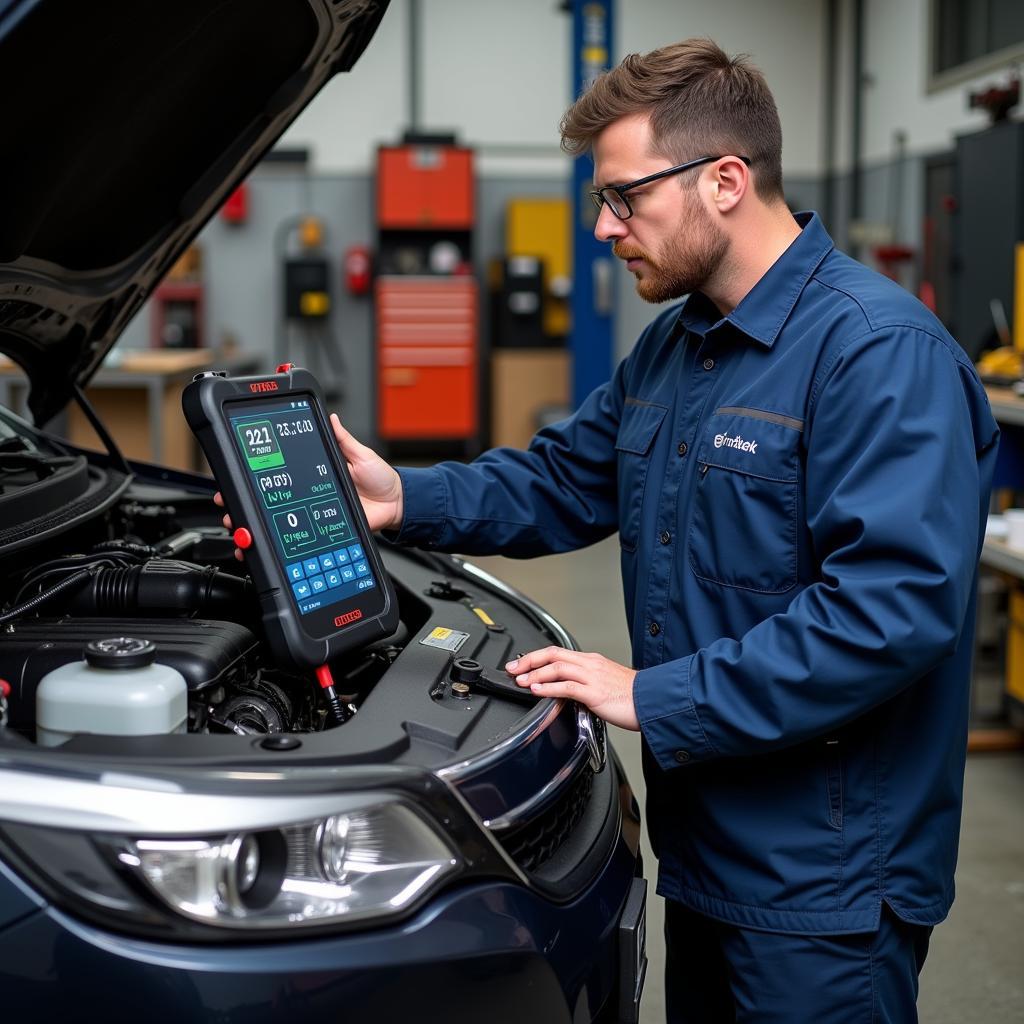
point(242, 538)
point(285, 367)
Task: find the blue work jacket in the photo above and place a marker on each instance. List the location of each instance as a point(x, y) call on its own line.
point(800, 490)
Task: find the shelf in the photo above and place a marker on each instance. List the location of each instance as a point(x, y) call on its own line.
point(995, 554)
point(1007, 406)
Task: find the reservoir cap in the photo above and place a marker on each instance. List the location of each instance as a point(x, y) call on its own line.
point(120, 652)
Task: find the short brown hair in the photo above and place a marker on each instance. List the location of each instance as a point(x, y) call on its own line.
point(700, 102)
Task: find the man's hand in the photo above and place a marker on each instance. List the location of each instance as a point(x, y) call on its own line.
point(604, 686)
point(379, 487)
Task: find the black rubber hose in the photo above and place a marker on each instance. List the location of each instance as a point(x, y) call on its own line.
point(167, 586)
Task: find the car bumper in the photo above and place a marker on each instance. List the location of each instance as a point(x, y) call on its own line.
point(485, 952)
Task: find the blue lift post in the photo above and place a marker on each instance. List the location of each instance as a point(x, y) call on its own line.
point(593, 293)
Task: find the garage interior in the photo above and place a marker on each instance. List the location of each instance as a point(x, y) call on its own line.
point(413, 240)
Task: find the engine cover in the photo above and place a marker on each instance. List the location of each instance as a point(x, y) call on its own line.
point(206, 652)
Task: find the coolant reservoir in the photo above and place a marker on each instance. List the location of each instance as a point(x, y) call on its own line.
point(118, 690)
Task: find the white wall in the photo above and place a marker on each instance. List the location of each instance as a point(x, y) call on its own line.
point(499, 72)
point(499, 75)
point(492, 72)
point(356, 111)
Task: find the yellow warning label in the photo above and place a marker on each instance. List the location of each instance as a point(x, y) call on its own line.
point(445, 638)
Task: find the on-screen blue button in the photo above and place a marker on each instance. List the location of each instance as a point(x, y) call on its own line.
point(302, 589)
point(318, 583)
point(295, 571)
point(312, 566)
point(327, 562)
point(333, 578)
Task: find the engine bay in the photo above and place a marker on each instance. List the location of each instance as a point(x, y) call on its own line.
point(154, 565)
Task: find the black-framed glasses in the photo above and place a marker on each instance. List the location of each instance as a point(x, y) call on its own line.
point(614, 196)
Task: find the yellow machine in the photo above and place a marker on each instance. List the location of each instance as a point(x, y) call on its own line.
point(528, 382)
point(540, 227)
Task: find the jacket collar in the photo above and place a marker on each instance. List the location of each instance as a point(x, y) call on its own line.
point(762, 312)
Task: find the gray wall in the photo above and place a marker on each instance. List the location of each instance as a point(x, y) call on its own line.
point(242, 273)
point(241, 265)
point(878, 187)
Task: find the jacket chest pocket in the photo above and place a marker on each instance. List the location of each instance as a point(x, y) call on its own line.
point(744, 528)
point(633, 446)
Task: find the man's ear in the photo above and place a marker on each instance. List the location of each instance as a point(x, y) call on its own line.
point(730, 181)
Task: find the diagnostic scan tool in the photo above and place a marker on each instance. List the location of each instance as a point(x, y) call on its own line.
point(322, 587)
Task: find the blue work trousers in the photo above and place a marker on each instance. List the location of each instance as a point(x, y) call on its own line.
point(717, 973)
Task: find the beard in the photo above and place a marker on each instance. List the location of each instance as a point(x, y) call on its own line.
point(680, 267)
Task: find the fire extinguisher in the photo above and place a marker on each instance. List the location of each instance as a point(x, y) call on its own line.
point(236, 207)
point(358, 266)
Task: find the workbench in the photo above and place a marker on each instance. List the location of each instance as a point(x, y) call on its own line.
point(1007, 405)
point(141, 387)
point(997, 554)
point(1008, 409)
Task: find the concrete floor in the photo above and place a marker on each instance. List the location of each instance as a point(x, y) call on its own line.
point(975, 968)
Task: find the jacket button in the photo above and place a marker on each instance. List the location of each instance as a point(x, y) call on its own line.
point(682, 449)
point(654, 629)
point(665, 536)
point(709, 364)
point(682, 756)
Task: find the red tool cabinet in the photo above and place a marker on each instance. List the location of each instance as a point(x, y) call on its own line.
point(427, 324)
point(424, 187)
point(427, 357)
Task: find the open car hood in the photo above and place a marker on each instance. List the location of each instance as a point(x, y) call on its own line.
point(126, 126)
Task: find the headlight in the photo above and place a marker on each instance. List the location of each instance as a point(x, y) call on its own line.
point(281, 861)
point(374, 860)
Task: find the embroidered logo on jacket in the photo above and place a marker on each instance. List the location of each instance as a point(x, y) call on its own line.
point(736, 441)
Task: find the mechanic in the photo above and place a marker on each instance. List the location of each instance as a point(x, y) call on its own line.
point(797, 460)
